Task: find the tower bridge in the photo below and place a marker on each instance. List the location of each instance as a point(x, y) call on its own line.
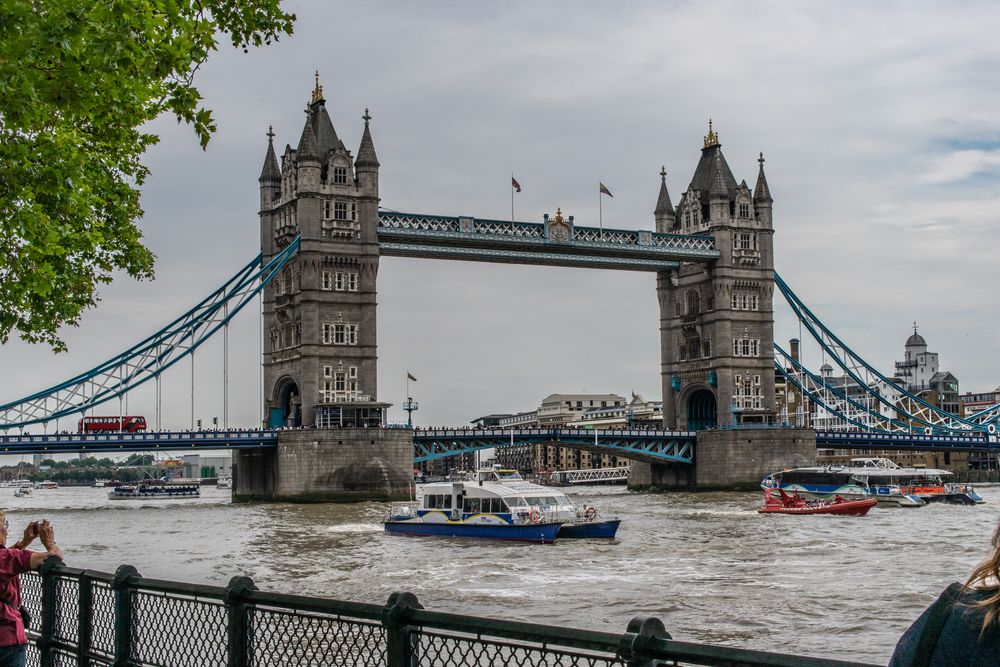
point(322, 237)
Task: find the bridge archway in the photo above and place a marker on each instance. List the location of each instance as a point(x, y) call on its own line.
point(701, 410)
point(287, 407)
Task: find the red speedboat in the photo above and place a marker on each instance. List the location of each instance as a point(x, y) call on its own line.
point(776, 501)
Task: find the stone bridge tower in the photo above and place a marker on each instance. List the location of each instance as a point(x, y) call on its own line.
point(716, 319)
point(319, 313)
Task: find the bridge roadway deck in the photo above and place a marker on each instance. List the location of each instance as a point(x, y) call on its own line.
point(60, 443)
point(906, 441)
point(638, 445)
point(430, 444)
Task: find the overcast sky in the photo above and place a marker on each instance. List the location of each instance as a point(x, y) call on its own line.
point(878, 122)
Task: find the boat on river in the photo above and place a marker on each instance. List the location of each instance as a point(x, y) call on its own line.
point(776, 501)
point(880, 478)
point(497, 504)
point(154, 491)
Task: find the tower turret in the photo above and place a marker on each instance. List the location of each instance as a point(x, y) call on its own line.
point(718, 195)
point(762, 196)
point(270, 176)
point(366, 167)
point(664, 214)
point(307, 159)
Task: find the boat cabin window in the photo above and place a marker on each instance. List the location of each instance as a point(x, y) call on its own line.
point(544, 501)
point(433, 502)
point(508, 475)
point(814, 477)
point(484, 505)
point(472, 505)
point(514, 501)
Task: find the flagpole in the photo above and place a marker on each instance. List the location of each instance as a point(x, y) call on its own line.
point(600, 210)
point(512, 197)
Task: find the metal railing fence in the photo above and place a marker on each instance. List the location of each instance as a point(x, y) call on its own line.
point(84, 618)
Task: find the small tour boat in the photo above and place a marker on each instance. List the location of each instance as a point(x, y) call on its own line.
point(224, 483)
point(776, 501)
point(498, 504)
point(154, 491)
point(47, 484)
point(22, 492)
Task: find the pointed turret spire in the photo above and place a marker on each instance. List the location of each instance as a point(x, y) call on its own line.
point(761, 193)
point(307, 149)
point(719, 188)
point(366, 152)
point(663, 205)
point(271, 170)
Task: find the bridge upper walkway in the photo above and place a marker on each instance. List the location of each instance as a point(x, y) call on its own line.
point(512, 242)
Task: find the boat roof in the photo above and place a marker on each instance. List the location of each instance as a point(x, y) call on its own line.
point(495, 481)
point(897, 471)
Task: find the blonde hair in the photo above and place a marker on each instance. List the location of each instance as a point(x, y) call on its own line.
point(986, 579)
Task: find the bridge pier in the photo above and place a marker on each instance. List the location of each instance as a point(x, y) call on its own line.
point(327, 465)
point(730, 459)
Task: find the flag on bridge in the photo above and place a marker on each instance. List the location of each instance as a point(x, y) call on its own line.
point(514, 184)
point(409, 376)
point(604, 190)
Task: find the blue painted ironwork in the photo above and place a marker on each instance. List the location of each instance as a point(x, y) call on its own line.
point(881, 388)
point(832, 398)
point(150, 357)
point(907, 441)
point(648, 446)
point(142, 441)
point(442, 237)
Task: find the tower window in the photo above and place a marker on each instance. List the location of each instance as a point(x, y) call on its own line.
point(340, 210)
point(352, 281)
point(338, 282)
point(744, 210)
point(340, 175)
point(327, 281)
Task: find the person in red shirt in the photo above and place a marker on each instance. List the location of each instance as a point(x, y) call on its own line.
point(14, 561)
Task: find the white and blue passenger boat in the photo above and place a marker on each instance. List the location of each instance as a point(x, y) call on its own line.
point(877, 478)
point(498, 504)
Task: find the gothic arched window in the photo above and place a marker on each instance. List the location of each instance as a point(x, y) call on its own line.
point(693, 302)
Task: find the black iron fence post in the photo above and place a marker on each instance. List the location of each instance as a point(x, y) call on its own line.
point(123, 614)
point(632, 647)
point(47, 628)
point(238, 621)
point(85, 620)
point(400, 643)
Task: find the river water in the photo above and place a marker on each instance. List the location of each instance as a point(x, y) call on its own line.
point(705, 563)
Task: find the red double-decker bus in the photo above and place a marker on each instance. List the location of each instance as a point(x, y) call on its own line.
point(129, 424)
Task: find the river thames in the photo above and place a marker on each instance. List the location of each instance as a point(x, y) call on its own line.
point(705, 563)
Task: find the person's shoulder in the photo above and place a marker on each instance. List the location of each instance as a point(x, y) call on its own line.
point(961, 640)
point(14, 561)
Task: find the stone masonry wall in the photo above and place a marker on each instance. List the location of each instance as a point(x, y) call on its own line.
point(331, 465)
point(731, 459)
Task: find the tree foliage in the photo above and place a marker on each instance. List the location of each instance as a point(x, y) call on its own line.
point(78, 79)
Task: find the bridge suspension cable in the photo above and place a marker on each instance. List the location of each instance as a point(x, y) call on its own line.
point(883, 396)
point(150, 357)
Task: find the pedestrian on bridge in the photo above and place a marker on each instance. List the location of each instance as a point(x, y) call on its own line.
point(14, 561)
